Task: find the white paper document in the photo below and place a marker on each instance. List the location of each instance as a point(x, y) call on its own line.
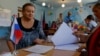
point(5, 17)
point(34, 54)
point(64, 35)
point(71, 47)
point(6, 54)
point(49, 38)
point(5, 22)
point(39, 49)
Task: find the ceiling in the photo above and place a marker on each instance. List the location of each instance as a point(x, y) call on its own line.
point(57, 3)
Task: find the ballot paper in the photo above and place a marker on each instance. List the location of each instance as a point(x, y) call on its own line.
point(39, 49)
point(72, 47)
point(34, 54)
point(6, 54)
point(64, 35)
point(64, 53)
point(49, 38)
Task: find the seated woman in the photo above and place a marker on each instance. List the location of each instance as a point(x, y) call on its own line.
point(90, 22)
point(30, 27)
point(53, 25)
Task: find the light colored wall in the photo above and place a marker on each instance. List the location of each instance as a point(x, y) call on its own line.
point(39, 11)
point(50, 15)
point(12, 4)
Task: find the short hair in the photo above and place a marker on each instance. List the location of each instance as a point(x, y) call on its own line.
point(90, 17)
point(60, 14)
point(27, 4)
point(69, 13)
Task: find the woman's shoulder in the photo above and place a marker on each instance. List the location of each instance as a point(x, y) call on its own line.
point(18, 20)
point(36, 20)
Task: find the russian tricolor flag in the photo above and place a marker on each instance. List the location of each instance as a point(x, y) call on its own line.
point(16, 33)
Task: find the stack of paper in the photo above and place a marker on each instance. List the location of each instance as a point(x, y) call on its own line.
point(64, 38)
point(72, 47)
point(34, 54)
point(64, 53)
point(39, 49)
point(49, 37)
point(6, 54)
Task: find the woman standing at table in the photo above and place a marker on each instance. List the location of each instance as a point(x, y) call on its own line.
point(93, 43)
point(30, 27)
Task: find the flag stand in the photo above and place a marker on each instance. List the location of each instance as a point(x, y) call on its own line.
point(15, 36)
point(14, 53)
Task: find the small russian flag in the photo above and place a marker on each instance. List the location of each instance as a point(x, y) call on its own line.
point(16, 33)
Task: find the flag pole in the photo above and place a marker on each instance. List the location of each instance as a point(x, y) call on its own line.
point(14, 51)
point(16, 35)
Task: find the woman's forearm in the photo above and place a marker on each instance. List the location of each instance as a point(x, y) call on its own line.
point(10, 45)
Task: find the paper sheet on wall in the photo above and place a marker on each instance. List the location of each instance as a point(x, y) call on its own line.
point(39, 49)
point(64, 35)
point(71, 47)
point(5, 22)
point(5, 17)
point(34, 54)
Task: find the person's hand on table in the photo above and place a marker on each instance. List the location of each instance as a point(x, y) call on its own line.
point(82, 37)
point(39, 41)
point(82, 46)
point(78, 33)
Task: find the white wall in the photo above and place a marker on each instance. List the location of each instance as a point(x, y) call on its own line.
point(12, 4)
point(50, 15)
point(39, 11)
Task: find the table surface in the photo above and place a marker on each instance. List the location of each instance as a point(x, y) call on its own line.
point(52, 52)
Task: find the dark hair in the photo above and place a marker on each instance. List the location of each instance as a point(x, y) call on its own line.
point(90, 17)
point(97, 5)
point(60, 14)
point(27, 4)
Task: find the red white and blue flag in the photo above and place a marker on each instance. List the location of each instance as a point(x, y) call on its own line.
point(16, 33)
